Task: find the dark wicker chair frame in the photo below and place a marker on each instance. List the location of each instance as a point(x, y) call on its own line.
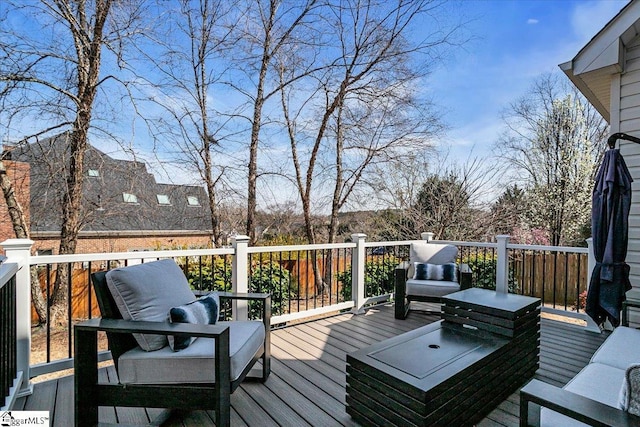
point(538, 394)
point(403, 301)
point(90, 394)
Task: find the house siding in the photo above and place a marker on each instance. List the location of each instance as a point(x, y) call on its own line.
point(626, 110)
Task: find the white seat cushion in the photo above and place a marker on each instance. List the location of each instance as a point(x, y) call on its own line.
point(620, 349)
point(596, 381)
point(431, 288)
point(194, 364)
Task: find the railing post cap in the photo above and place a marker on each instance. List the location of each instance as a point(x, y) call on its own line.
point(358, 236)
point(589, 240)
point(240, 238)
point(503, 237)
point(427, 235)
point(17, 244)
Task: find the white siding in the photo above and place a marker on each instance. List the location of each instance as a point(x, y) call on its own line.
point(627, 115)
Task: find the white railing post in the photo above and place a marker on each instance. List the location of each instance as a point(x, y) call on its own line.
point(358, 262)
point(502, 265)
point(591, 260)
point(428, 236)
point(19, 251)
point(240, 275)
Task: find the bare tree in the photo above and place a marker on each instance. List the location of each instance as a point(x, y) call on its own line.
point(187, 58)
point(554, 139)
point(366, 101)
point(271, 27)
point(51, 75)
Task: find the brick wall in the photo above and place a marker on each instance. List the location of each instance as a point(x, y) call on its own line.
point(124, 244)
point(19, 174)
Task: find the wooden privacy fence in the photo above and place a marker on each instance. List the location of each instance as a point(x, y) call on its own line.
point(558, 278)
point(79, 296)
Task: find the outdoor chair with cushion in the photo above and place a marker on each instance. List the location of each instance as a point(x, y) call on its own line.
point(430, 274)
point(169, 348)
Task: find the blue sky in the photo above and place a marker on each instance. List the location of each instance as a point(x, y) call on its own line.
point(515, 41)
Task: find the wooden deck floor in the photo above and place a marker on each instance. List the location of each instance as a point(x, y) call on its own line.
point(307, 382)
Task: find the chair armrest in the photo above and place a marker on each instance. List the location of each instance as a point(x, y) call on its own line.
point(466, 277)
point(572, 405)
point(264, 297)
point(158, 328)
point(245, 296)
point(400, 291)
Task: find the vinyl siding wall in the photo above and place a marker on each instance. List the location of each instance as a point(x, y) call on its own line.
point(625, 117)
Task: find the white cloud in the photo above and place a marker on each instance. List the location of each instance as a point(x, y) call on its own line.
point(532, 21)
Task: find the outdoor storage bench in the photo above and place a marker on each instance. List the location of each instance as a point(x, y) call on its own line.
point(593, 396)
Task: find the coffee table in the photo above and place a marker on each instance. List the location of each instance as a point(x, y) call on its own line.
point(452, 372)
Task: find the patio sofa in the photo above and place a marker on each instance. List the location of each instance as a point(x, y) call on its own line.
point(597, 394)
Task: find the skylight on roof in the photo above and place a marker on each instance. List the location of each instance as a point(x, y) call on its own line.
point(193, 201)
point(163, 199)
point(93, 172)
point(129, 198)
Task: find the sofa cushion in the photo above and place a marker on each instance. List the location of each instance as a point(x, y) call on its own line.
point(147, 292)
point(431, 288)
point(426, 271)
point(203, 311)
point(630, 392)
point(433, 253)
point(620, 349)
point(595, 381)
point(194, 364)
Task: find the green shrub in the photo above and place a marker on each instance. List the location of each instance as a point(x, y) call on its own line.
point(271, 277)
point(484, 268)
point(213, 278)
point(378, 277)
point(265, 277)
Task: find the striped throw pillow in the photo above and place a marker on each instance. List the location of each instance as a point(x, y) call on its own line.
point(446, 272)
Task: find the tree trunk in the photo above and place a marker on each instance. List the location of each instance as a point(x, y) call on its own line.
point(88, 41)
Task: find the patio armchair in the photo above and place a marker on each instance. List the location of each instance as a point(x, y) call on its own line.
point(166, 351)
point(606, 392)
point(430, 274)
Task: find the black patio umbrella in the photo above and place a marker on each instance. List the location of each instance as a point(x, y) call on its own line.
point(610, 232)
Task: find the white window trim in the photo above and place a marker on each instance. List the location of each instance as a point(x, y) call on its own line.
point(130, 198)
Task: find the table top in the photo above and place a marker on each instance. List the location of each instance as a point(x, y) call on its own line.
point(428, 356)
point(476, 298)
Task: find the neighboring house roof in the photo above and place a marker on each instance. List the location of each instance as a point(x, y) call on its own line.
point(119, 195)
point(592, 67)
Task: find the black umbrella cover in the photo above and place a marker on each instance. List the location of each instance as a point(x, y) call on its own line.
point(610, 231)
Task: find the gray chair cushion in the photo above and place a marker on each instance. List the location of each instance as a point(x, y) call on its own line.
point(147, 292)
point(596, 381)
point(431, 288)
point(194, 364)
point(433, 253)
point(620, 349)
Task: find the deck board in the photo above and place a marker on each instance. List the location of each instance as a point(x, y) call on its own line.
point(308, 379)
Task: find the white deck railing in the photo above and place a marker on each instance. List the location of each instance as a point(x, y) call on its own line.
point(359, 251)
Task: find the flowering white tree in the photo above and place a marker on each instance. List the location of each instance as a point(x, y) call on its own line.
point(555, 140)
